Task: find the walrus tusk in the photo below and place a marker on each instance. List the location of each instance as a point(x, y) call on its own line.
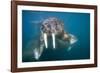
point(53, 39)
point(45, 40)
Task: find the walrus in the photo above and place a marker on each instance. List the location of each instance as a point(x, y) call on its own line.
point(52, 28)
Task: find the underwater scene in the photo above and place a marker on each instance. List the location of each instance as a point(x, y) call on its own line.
point(55, 36)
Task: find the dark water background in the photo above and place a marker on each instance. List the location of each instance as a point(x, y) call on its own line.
point(77, 24)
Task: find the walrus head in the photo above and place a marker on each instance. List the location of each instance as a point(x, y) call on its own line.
point(51, 27)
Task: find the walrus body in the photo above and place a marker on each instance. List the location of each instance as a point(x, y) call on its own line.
point(53, 36)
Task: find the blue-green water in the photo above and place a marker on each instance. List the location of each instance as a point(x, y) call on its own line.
point(77, 24)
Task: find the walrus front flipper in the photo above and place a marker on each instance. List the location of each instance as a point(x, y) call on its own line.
point(38, 51)
point(72, 40)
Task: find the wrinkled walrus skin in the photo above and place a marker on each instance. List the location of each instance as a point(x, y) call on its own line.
point(53, 29)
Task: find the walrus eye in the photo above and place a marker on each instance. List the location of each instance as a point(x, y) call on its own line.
point(45, 40)
point(53, 40)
